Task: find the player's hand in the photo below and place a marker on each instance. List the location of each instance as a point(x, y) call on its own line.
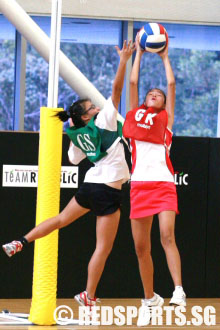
point(126, 51)
point(164, 52)
point(137, 44)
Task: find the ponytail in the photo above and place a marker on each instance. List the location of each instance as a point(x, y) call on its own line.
point(75, 112)
point(63, 115)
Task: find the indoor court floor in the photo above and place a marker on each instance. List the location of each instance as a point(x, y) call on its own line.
point(23, 306)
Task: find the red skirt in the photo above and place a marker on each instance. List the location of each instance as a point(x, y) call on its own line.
point(152, 197)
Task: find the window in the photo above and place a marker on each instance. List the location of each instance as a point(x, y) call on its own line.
point(195, 57)
point(89, 45)
point(7, 76)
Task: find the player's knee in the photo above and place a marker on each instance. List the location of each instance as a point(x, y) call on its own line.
point(60, 221)
point(104, 249)
point(167, 239)
point(142, 250)
point(107, 250)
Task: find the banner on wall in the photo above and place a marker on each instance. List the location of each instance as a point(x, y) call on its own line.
point(27, 176)
point(181, 177)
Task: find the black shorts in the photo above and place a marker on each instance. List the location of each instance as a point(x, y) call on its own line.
point(99, 198)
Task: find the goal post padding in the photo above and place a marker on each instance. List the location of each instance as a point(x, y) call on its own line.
point(44, 288)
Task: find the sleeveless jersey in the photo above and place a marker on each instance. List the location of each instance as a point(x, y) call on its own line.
point(99, 141)
point(92, 140)
point(150, 141)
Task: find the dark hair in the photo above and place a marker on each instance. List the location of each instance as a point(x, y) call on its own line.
point(158, 89)
point(75, 112)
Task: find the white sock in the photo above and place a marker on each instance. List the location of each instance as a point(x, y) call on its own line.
point(178, 287)
point(153, 298)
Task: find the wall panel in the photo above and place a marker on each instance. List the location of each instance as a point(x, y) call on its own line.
point(197, 227)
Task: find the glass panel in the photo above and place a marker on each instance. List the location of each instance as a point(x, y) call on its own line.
point(97, 62)
point(194, 55)
point(36, 89)
point(89, 45)
point(7, 76)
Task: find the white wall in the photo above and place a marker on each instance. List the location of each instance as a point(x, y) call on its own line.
point(185, 11)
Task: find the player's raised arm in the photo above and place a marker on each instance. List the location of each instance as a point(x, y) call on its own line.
point(135, 75)
point(124, 54)
point(171, 86)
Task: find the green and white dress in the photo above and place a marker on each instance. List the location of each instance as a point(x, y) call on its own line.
point(99, 141)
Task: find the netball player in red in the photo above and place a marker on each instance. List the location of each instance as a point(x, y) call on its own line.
point(152, 181)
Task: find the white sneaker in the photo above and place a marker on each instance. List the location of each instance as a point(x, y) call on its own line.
point(83, 299)
point(145, 310)
point(179, 297)
point(12, 248)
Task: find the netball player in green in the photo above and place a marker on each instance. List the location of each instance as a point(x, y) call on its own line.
point(95, 134)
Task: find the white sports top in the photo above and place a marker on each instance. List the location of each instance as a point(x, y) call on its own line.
point(113, 166)
point(150, 162)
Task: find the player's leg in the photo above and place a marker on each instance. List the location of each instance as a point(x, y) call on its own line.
point(70, 213)
point(141, 231)
point(106, 230)
point(167, 235)
point(105, 203)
